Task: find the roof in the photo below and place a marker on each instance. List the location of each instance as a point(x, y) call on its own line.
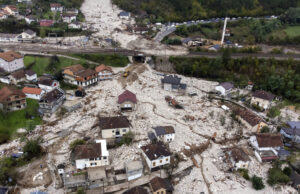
point(3, 190)
point(28, 90)
point(30, 32)
point(163, 130)
point(86, 73)
point(227, 85)
point(171, 79)
point(12, 7)
point(186, 40)
point(269, 140)
point(87, 151)
point(136, 190)
point(294, 124)
point(10, 56)
point(154, 151)
point(263, 95)
point(69, 15)
point(46, 81)
point(55, 5)
point(8, 91)
point(52, 96)
point(18, 74)
point(113, 122)
point(103, 67)
point(217, 46)
point(38, 192)
point(237, 154)
point(291, 131)
point(158, 183)
point(127, 96)
point(124, 13)
point(283, 152)
point(30, 72)
point(75, 68)
point(249, 117)
point(32, 17)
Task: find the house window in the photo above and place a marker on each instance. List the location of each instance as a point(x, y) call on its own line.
point(167, 159)
point(124, 130)
point(160, 161)
point(154, 164)
point(104, 157)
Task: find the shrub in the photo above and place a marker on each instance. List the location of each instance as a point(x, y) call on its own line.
point(257, 183)
point(7, 171)
point(273, 112)
point(222, 120)
point(32, 149)
point(275, 176)
point(244, 173)
point(76, 142)
point(127, 138)
point(287, 171)
point(265, 129)
point(256, 108)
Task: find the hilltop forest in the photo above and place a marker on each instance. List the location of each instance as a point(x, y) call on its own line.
point(179, 10)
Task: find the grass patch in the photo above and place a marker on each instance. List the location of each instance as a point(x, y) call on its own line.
point(11, 121)
point(292, 31)
point(111, 60)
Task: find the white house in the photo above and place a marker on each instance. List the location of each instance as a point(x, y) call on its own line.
point(262, 99)
point(165, 133)
point(114, 127)
point(91, 155)
point(30, 18)
point(124, 15)
point(236, 158)
point(266, 146)
point(156, 155)
point(104, 72)
point(33, 93)
point(30, 75)
point(172, 83)
point(68, 17)
point(224, 88)
point(27, 35)
point(11, 61)
point(3, 16)
point(74, 25)
point(48, 84)
point(134, 169)
point(5, 80)
point(8, 37)
point(56, 7)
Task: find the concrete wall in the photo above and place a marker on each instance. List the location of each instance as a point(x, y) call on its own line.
point(111, 133)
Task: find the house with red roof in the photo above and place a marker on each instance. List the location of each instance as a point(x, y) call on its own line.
point(46, 23)
point(56, 7)
point(33, 93)
point(127, 101)
point(104, 72)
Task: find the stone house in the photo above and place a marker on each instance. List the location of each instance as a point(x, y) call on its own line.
point(33, 93)
point(114, 127)
point(12, 99)
point(224, 88)
point(156, 155)
point(134, 170)
point(160, 186)
point(172, 83)
point(79, 76)
point(18, 76)
point(262, 99)
point(91, 155)
point(165, 133)
point(250, 120)
point(104, 72)
point(11, 61)
point(51, 101)
point(127, 101)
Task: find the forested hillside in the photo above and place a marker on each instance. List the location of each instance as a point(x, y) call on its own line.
point(183, 10)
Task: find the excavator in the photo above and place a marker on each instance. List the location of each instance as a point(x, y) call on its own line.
point(126, 73)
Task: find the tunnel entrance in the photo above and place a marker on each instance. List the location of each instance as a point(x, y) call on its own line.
point(139, 58)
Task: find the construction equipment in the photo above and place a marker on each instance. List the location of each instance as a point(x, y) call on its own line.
point(126, 73)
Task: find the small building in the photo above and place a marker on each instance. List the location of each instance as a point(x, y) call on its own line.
point(156, 155)
point(11, 61)
point(134, 170)
point(11, 10)
point(192, 42)
point(5, 79)
point(30, 75)
point(114, 127)
point(104, 72)
point(127, 101)
point(51, 101)
point(3, 16)
point(8, 37)
point(250, 120)
point(165, 133)
point(266, 146)
point(33, 93)
point(30, 19)
point(262, 99)
point(46, 23)
point(74, 25)
point(47, 84)
point(215, 48)
point(18, 76)
point(161, 186)
point(124, 15)
point(27, 36)
point(292, 131)
point(56, 7)
point(172, 83)
point(12, 99)
point(283, 154)
point(136, 190)
point(69, 17)
point(78, 75)
point(91, 155)
point(236, 158)
point(225, 88)
point(140, 30)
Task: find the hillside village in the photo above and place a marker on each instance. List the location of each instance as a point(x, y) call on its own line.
point(99, 99)
point(116, 129)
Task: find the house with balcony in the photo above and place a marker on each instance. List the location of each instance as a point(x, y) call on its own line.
point(51, 101)
point(156, 155)
point(104, 72)
point(12, 99)
point(91, 155)
point(79, 76)
point(11, 61)
point(114, 127)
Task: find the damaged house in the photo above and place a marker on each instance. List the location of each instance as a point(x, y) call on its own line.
point(292, 132)
point(51, 101)
point(262, 99)
point(173, 83)
point(236, 158)
point(250, 120)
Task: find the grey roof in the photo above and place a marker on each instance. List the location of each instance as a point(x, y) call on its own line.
point(159, 130)
point(227, 85)
point(30, 32)
point(151, 136)
point(38, 192)
point(217, 46)
point(291, 131)
point(124, 13)
point(183, 86)
point(294, 124)
point(283, 152)
point(29, 72)
point(171, 79)
point(186, 40)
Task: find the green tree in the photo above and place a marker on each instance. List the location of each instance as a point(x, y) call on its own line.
point(276, 175)
point(265, 129)
point(76, 142)
point(32, 149)
point(257, 183)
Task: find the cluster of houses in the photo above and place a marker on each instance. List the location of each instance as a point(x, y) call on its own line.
point(8, 10)
point(26, 36)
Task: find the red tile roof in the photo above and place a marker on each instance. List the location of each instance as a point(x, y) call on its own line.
point(28, 90)
point(102, 68)
point(6, 92)
point(10, 56)
point(269, 140)
point(127, 96)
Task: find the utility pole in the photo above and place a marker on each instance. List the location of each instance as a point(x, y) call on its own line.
point(224, 31)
